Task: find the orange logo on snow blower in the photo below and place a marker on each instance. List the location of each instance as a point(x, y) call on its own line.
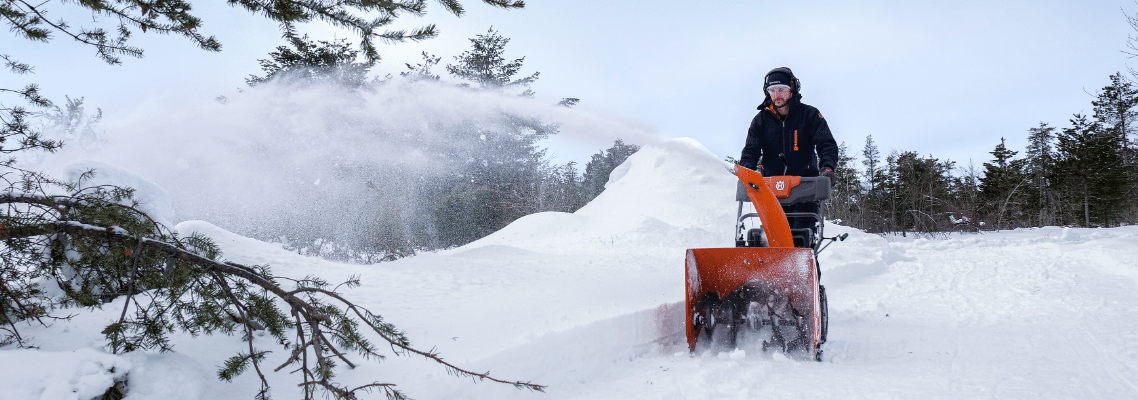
point(782, 184)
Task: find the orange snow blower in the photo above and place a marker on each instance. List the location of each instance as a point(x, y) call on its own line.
point(766, 289)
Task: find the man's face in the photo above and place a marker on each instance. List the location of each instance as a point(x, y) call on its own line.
point(780, 94)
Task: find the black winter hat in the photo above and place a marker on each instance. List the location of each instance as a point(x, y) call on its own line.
point(778, 78)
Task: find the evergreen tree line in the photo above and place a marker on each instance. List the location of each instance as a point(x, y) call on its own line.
point(1081, 175)
point(495, 168)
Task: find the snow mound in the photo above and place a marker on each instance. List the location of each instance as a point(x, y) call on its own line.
point(152, 199)
point(670, 194)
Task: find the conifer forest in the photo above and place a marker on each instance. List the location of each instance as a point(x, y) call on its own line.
point(1078, 175)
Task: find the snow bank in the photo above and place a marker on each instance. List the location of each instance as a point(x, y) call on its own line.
point(152, 199)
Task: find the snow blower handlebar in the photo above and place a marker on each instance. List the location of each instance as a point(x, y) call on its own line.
point(797, 189)
point(769, 194)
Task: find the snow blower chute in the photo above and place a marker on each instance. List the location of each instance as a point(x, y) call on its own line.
point(766, 289)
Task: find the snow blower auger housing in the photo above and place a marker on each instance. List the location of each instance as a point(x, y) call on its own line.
point(766, 289)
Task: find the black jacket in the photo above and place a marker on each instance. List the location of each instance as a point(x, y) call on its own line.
point(804, 137)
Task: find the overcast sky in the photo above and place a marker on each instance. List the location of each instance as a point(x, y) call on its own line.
point(941, 78)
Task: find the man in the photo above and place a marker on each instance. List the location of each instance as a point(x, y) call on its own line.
point(788, 137)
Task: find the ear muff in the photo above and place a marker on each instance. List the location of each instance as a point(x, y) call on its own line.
point(795, 85)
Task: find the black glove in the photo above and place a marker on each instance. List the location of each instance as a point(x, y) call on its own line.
point(827, 172)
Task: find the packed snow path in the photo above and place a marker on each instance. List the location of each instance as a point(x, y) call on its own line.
point(590, 304)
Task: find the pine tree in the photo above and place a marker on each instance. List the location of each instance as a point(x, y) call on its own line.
point(422, 71)
point(919, 190)
point(72, 123)
point(564, 189)
point(313, 62)
point(888, 199)
point(500, 172)
point(871, 162)
point(875, 193)
point(1002, 187)
point(601, 165)
point(846, 189)
point(1089, 175)
point(966, 203)
point(1040, 161)
point(485, 64)
point(1115, 110)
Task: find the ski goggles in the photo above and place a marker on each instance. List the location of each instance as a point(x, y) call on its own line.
point(778, 89)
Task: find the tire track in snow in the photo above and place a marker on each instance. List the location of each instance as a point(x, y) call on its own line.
point(1022, 288)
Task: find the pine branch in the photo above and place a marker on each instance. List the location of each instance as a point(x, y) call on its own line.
point(453, 6)
point(254, 356)
point(16, 67)
point(95, 38)
point(506, 3)
point(120, 236)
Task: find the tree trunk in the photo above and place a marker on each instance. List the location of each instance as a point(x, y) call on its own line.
point(1086, 206)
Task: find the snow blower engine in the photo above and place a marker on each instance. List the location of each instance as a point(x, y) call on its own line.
point(765, 291)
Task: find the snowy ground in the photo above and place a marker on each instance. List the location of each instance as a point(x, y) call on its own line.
point(590, 305)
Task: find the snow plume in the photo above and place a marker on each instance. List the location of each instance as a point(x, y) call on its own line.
point(309, 161)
